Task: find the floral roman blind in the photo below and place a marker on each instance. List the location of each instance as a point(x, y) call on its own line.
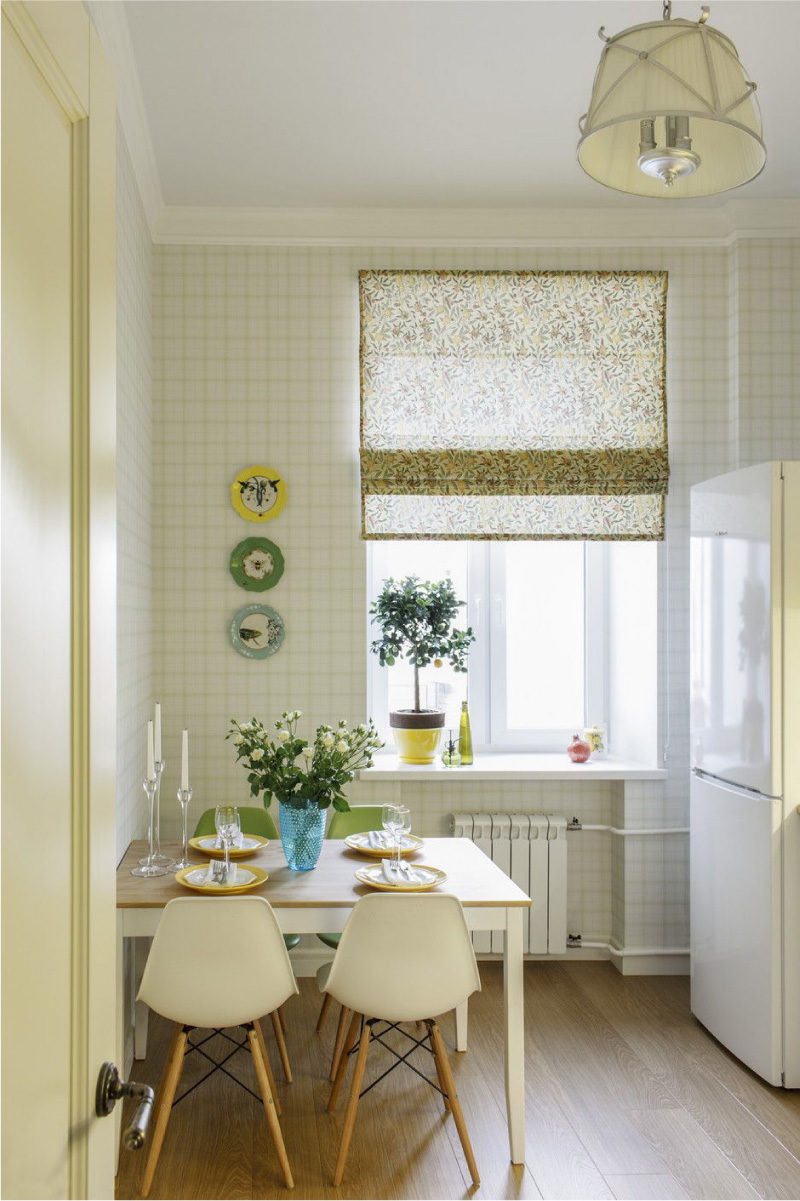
point(513, 404)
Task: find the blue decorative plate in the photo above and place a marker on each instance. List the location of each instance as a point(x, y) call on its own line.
point(257, 631)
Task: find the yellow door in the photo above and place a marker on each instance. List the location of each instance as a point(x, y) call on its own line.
point(58, 600)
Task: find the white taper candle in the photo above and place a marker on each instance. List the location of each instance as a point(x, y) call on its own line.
point(158, 733)
point(185, 761)
point(151, 770)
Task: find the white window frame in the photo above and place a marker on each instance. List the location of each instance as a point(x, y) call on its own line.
point(486, 675)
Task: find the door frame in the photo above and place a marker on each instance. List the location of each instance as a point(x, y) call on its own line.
point(64, 47)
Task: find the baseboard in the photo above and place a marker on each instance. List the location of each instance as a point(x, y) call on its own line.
point(633, 964)
point(627, 963)
point(308, 958)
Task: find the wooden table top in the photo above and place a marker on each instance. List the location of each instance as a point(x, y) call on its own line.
point(471, 876)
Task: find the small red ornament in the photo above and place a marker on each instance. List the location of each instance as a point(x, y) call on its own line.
point(578, 750)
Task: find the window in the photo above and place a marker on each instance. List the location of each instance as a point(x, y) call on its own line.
point(538, 668)
point(514, 438)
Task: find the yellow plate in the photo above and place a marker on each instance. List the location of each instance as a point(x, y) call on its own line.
point(257, 876)
point(358, 842)
point(374, 878)
point(235, 852)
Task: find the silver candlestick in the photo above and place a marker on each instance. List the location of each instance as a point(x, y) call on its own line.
point(184, 796)
point(148, 867)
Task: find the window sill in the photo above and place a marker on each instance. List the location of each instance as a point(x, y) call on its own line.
point(531, 766)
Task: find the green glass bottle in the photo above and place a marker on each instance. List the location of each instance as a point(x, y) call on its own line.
point(465, 736)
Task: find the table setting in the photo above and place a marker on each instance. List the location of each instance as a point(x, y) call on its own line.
point(306, 778)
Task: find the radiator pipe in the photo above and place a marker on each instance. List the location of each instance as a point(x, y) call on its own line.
point(620, 952)
point(624, 832)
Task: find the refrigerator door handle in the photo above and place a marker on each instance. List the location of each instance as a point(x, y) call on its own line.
point(752, 794)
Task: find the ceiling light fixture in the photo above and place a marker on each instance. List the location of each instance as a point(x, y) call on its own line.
point(672, 113)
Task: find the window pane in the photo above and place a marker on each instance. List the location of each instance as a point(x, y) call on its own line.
point(544, 634)
point(440, 688)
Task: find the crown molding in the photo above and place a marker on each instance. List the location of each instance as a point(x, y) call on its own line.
point(677, 223)
point(111, 23)
point(631, 222)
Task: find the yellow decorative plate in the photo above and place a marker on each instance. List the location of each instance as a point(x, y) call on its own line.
point(251, 845)
point(428, 878)
point(196, 879)
point(360, 843)
point(258, 493)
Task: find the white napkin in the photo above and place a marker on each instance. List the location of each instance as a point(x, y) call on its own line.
point(237, 843)
point(390, 873)
point(398, 878)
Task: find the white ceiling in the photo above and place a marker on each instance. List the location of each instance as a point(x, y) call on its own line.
point(434, 104)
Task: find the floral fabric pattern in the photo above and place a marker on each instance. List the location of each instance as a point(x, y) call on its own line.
point(513, 404)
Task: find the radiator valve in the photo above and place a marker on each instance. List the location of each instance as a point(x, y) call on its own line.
point(573, 940)
point(574, 824)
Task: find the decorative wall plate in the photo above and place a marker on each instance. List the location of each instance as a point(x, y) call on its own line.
point(256, 564)
point(258, 493)
point(257, 631)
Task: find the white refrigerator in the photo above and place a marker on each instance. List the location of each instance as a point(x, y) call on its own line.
point(745, 779)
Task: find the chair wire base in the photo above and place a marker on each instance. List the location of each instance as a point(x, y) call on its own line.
point(401, 1059)
point(218, 1064)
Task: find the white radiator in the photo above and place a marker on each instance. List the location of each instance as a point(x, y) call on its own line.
point(531, 848)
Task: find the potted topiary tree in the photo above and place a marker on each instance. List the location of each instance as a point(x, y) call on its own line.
point(416, 622)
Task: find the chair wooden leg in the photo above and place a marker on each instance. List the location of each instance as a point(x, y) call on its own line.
point(166, 1095)
point(282, 1020)
point(268, 1066)
point(446, 1075)
point(326, 1004)
point(281, 1041)
point(268, 1098)
point(341, 1030)
point(439, 1077)
point(341, 1070)
point(352, 1106)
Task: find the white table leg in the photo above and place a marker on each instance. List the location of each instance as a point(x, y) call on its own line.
point(515, 1032)
point(462, 1012)
point(141, 1011)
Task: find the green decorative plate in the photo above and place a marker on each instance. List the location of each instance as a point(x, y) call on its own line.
point(256, 564)
point(257, 631)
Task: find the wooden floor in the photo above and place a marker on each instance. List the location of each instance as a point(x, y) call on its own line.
point(627, 1096)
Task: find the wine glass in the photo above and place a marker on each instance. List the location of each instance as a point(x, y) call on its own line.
point(403, 827)
point(389, 820)
point(229, 827)
point(395, 820)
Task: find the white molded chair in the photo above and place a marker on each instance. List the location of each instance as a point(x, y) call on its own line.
point(217, 962)
point(402, 958)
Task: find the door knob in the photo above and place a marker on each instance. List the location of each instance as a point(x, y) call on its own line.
point(110, 1089)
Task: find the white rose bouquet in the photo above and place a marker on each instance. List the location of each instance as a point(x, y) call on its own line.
point(281, 764)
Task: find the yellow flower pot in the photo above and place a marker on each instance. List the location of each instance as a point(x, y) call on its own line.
point(416, 735)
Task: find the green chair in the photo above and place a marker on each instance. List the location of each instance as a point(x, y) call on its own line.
point(254, 821)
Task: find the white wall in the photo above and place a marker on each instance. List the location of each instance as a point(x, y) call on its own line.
point(256, 360)
point(134, 498)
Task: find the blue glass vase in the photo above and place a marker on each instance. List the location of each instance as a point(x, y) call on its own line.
point(302, 833)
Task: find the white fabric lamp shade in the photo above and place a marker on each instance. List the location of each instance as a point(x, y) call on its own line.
point(678, 69)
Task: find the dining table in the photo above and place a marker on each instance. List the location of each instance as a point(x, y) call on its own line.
point(320, 900)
